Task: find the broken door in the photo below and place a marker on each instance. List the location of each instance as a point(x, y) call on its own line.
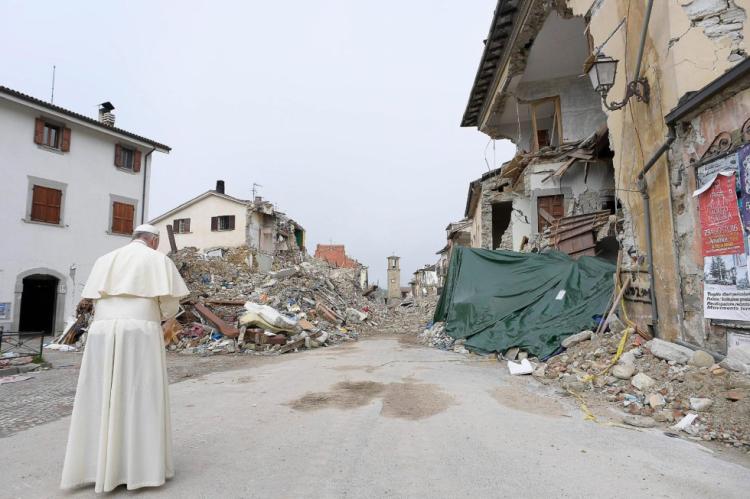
point(549, 209)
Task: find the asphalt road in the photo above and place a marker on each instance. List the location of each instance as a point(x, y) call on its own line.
point(382, 418)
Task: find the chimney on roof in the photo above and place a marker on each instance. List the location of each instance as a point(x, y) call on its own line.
point(258, 199)
point(220, 186)
point(105, 113)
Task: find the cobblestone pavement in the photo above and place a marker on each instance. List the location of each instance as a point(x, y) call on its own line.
point(49, 394)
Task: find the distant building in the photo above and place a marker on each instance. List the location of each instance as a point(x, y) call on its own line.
point(210, 220)
point(335, 255)
point(73, 188)
point(215, 220)
point(425, 282)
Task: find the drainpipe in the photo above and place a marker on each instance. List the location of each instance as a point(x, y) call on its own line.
point(643, 187)
point(143, 194)
point(644, 32)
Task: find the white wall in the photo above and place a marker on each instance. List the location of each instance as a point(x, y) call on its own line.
point(520, 220)
point(90, 179)
point(201, 236)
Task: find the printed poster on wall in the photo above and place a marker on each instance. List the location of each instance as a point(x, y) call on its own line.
point(721, 228)
point(743, 163)
point(726, 287)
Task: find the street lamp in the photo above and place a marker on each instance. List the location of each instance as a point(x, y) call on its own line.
point(602, 72)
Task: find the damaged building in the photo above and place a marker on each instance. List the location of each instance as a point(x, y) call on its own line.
point(629, 139)
point(214, 221)
point(335, 255)
point(531, 93)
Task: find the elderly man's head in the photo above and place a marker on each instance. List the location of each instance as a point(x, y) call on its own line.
point(148, 234)
point(151, 240)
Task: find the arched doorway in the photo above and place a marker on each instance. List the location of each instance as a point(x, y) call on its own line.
point(38, 303)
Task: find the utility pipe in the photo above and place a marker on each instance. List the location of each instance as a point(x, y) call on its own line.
point(643, 187)
point(145, 176)
point(644, 32)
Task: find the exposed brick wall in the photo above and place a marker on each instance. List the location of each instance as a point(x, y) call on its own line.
point(335, 254)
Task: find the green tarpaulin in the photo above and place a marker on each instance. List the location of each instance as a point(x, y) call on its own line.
point(503, 299)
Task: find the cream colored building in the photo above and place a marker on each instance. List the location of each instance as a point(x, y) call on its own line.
point(211, 220)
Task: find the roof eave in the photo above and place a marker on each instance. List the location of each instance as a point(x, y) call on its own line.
point(80, 119)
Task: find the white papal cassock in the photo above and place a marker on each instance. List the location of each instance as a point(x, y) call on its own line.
point(120, 429)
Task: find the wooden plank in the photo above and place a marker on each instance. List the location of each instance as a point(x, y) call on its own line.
point(172, 242)
point(223, 327)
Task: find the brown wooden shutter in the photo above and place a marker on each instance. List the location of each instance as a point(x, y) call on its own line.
point(45, 204)
point(65, 144)
point(118, 156)
point(187, 225)
point(175, 227)
point(129, 217)
point(54, 201)
point(38, 203)
point(231, 222)
point(123, 215)
point(137, 161)
point(214, 223)
point(39, 131)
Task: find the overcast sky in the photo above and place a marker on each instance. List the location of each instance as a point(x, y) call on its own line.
point(346, 112)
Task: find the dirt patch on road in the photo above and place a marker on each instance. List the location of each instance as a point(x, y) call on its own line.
point(409, 400)
point(344, 395)
point(414, 401)
point(523, 400)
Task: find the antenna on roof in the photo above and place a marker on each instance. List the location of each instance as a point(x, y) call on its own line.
point(255, 189)
point(52, 99)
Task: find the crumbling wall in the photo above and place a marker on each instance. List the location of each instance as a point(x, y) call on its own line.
point(579, 105)
point(492, 192)
point(722, 21)
point(724, 118)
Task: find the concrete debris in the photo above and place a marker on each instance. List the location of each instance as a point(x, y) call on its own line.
point(737, 359)
point(670, 351)
point(436, 337)
point(577, 338)
point(662, 388)
point(656, 400)
point(623, 371)
point(639, 421)
point(642, 382)
point(701, 359)
point(700, 404)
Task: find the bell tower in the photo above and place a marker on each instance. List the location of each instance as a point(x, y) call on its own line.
point(394, 278)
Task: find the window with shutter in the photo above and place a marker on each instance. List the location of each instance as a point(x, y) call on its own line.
point(45, 204)
point(181, 225)
point(224, 222)
point(51, 135)
point(123, 215)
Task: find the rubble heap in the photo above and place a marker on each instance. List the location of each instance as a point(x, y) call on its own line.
point(658, 382)
point(232, 308)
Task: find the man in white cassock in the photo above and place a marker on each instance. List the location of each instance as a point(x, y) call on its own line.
point(120, 429)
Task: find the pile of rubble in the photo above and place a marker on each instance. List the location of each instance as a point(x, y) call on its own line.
point(652, 382)
point(232, 308)
point(657, 382)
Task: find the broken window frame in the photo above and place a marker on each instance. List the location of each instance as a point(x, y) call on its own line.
point(555, 131)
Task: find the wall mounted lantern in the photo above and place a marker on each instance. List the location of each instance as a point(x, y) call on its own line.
point(602, 72)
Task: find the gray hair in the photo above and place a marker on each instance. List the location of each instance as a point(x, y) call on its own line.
point(146, 236)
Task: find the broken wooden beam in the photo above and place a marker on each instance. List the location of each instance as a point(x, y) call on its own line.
point(223, 327)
